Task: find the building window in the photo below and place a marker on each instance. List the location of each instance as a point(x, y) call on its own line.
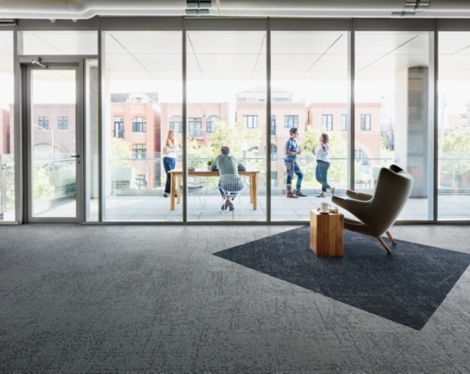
point(327, 122)
point(366, 122)
point(273, 125)
point(176, 124)
point(273, 152)
point(195, 127)
point(361, 156)
point(344, 122)
point(141, 181)
point(119, 127)
point(211, 123)
point(62, 123)
point(43, 122)
point(291, 120)
point(139, 125)
point(251, 121)
point(139, 151)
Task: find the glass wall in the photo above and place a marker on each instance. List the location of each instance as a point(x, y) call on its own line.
point(454, 126)
point(7, 160)
point(226, 91)
point(226, 94)
point(142, 77)
point(394, 113)
point(53, 143)
point(309, 91)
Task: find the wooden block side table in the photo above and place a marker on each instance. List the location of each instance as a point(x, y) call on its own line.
point(326, 233)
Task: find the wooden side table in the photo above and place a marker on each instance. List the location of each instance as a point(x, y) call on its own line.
point(326, 233)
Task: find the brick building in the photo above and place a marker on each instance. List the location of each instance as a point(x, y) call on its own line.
point(53, 133)
point(135, 119)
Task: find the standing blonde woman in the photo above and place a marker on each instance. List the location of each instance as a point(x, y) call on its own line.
point(323, 164)
point(170, 153)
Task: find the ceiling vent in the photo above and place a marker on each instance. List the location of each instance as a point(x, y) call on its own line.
point(411, 6)
point(417, 4)
point(7, 22)
point(198, 7)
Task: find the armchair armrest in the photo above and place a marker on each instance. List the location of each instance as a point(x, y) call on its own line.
point(356, 207)
point(358, 195)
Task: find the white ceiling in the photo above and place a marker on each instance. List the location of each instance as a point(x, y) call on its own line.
point(84, 9)
point(241, 55)
point(309, 55)
point(6, 51)
point(59, 42)
point(226, 55)
point(143, 55)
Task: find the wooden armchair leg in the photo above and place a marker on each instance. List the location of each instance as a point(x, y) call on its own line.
point(389, 234)
point(384, 245)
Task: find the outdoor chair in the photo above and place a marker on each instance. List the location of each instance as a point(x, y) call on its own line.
point(195, 186)
point(230, 185)
point(377, 213)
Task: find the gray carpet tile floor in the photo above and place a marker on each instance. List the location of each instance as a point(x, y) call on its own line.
point(154, 299)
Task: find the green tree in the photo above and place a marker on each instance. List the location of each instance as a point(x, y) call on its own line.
point(237, 137)
point(456, 147)
point(243, 144)
point(43, 189)
point(199, 154)
point(120, 153)
point(7, 181)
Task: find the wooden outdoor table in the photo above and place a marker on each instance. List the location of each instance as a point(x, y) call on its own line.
point(176, 176)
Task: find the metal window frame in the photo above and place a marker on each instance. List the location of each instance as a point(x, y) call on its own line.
point(268, 129)
point(65, 62)
point(208, 24)
point(351, 114)
point(183, 24)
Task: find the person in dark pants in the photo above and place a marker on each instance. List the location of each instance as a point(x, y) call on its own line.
point(170, 153)
point(292, 149)
point(323, 164)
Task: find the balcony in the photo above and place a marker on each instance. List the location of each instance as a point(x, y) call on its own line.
point(134, 191)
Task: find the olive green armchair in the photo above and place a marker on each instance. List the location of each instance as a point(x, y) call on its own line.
point(377, 213)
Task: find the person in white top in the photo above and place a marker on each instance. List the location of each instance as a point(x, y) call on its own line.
point(323, 164)
point(170, 153)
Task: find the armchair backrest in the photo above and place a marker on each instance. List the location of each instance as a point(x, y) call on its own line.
point(391, 194)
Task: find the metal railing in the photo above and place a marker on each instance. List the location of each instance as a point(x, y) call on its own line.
point(55, 178)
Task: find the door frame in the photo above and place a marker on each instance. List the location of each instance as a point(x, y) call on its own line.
point(76, 63)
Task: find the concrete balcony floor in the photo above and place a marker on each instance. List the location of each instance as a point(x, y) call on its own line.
point(206, 207)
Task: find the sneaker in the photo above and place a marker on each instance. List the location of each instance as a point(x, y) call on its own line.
point(165, 194)
point(300, 194)
point(231, 207)
point(332, 190)
point(226, 204)
point(322, 194)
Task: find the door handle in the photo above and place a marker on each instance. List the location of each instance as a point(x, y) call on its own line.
point(75, 156)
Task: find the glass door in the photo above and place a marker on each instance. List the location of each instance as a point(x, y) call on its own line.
point(55, 124)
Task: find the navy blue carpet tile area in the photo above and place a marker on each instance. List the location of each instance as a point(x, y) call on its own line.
point(405, 287)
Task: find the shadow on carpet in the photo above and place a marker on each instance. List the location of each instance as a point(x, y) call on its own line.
point(405, 287)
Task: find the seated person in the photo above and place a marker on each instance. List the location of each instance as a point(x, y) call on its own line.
point(230, 182)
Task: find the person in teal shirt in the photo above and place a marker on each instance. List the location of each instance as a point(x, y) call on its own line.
point(230, 182)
